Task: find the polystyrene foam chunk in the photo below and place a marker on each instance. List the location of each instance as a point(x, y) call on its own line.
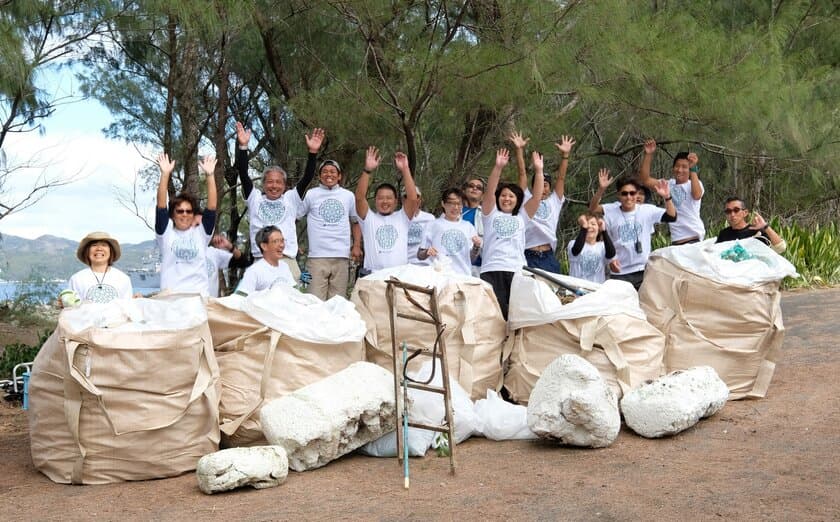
point(259, 467)
point(330, 418)
point(674, 402)
point(571, 403)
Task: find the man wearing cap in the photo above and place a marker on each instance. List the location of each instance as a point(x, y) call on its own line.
point(328, 209)
point(275, 205)
point(541, 231)
point(99, 282)
point(417, 229)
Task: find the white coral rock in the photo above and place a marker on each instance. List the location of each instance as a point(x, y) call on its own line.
point(259, 467)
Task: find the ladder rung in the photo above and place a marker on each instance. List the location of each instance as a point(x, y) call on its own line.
point(416, 318)
point(426, 387)
point(441, 429)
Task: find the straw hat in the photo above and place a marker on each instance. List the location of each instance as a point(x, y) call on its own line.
point(98, 236)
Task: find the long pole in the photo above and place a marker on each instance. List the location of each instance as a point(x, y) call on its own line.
point(405, 414)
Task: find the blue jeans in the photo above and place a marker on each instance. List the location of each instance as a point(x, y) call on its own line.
point(545, 260)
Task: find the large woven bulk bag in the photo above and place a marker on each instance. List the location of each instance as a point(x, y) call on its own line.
point(273, 343)
point(719, 313)
point(605, 327)
point(124, 391)
point(474, 328)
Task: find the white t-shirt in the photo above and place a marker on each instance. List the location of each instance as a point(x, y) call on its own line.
point(281, 212)
point(262, 275)
point(504, 241)
point(452, 239)
point(688, 223)
point(590, 264)
point(416, 230)
point(386, 239)
point(217, 259)
point(542, 230)
point(113, 284)
point(625, 228)
point(328, 213)
point(183, 263)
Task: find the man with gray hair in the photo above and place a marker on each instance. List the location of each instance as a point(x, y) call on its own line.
point(275, 205)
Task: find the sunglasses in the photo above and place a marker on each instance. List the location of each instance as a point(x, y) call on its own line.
point(628, 192)
point(477, 186)
point(735, 210)
point(183, 211)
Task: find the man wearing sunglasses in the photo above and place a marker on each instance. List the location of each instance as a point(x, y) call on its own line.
point(630, 225)
point(687, 191)
point(737, 216)
point(471, 211)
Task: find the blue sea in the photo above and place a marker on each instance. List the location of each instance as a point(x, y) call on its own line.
point(48, 291)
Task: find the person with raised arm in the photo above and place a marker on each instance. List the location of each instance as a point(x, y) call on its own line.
point(275, 205)
point(541, 233)
point(591, 251)
point(182, 246)
point(630, 225)
point(687, 191)
point(737, 215)
point(385, 231)
point(451, 236)
point(504, 226)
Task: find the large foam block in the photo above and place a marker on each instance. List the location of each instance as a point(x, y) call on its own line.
point(259, 467)
point(332, 417)
point(572, 403)
point(675, 402)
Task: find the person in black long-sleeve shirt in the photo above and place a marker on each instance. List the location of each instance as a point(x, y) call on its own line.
point(275, 205)
point(592, 250)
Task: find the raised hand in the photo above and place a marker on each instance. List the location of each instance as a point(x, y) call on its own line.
point(758, 222)
point(208, 164)
point(502, 158)
point(401, 161)
point(165, 165)
point(518, 141)
point(565, 145)
point(692, 159)
point(537, 160)
point(372, 159)
point(315, 140)
point(221, 242)
point(243, 135)
point(602, 225)
point(604, 178)
point(650, 146)
point(662, 188)
point(582, 221)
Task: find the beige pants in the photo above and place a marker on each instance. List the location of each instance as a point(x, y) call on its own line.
point(330, 276)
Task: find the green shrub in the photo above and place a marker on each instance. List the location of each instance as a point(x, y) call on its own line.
point(815, 252)
point(16, 353)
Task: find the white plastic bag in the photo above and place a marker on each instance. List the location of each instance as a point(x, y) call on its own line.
point(501, 420)
point(418, 439)
point(463, 411)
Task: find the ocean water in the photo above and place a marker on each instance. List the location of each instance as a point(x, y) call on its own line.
point(10, 290)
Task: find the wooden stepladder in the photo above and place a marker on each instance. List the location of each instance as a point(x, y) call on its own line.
point(405, 296)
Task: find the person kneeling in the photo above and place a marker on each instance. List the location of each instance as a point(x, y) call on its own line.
point(269, 270)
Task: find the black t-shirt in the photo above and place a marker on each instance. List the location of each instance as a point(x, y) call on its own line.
point(730, 234)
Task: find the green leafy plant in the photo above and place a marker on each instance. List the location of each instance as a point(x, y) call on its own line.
point(17, 353)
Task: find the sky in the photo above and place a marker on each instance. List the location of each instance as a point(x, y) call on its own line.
point(73, 146)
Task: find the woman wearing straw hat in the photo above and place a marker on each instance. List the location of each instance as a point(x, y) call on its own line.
point(100, 282)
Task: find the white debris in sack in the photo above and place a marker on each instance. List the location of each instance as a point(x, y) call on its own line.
point(674, 402)
point(332, 417)
point(259, 467)
point(571, 403)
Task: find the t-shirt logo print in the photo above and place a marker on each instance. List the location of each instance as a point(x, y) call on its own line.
point(629, 232)
point(589, 264)
point(543, 211)
point(505, 226)
point(679, 196)
point(415, 234)
point(211, 267)
point(101, 294)
point(184, 249)
point(331, 211)
point(386, 237)
point(453, 241)
point(272, 212)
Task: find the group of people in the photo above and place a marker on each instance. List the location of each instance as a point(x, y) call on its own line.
point(490, 230)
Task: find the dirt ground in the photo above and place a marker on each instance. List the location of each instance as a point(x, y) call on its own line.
point(770, 459)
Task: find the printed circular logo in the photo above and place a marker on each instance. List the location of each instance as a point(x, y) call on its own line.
point(211, 267)
point(629, 232)
point(184, 249)
point(505, 226)
point(589, 264)
point(415, 234)
point(101, 293)
point(543, 212)
point(453, 241)
point(679, 195)
point(331, 210)
point(386, 237)
point(271, 212)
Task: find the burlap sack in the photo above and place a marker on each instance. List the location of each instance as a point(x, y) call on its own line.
point(258, 364)
point(475, 331)
point(109, 405)
point(737, 330)
point(626, 350)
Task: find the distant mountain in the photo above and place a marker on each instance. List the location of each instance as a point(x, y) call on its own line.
point(54, 257)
